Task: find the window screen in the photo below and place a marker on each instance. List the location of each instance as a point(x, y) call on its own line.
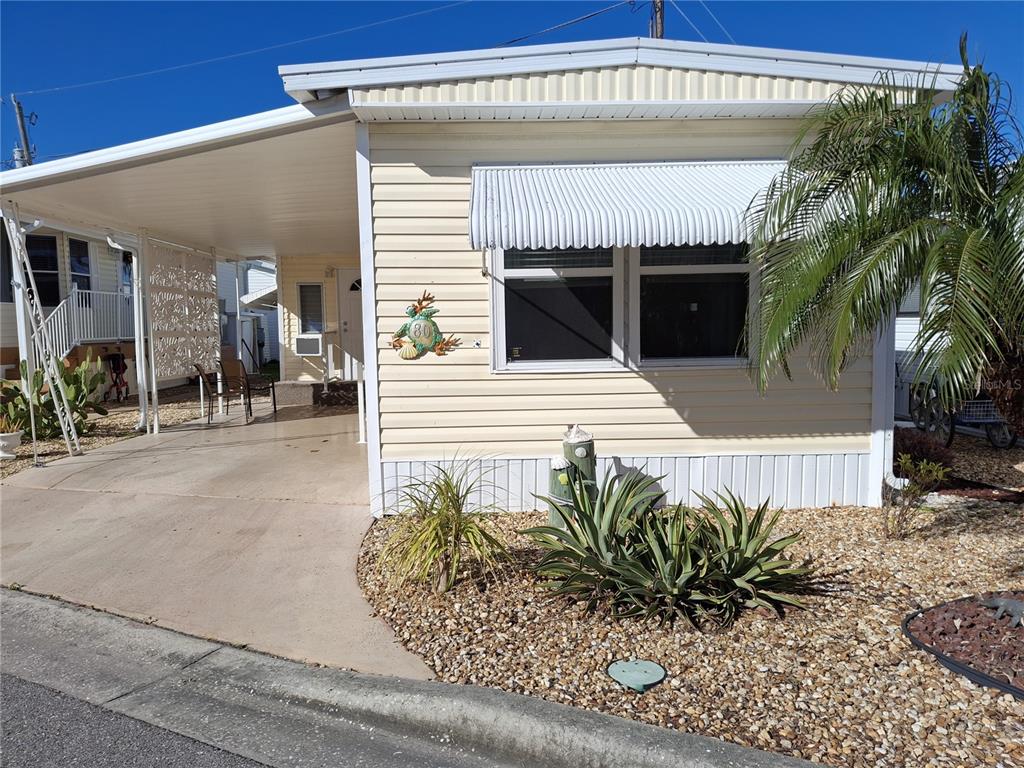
point(692, 315)
point(558, 319)
point(78, 259)
point(311, 308)
point(6, 268)
point(559, 259)
point(42, 254)
point(691, 255)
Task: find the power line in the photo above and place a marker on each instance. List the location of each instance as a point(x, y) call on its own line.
point(680, 10)
point(244, 53)
point(721, 26)
point(565, 24)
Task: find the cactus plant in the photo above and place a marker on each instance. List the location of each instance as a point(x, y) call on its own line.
point(80, 384)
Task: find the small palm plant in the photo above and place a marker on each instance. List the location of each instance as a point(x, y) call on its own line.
point(440, 525)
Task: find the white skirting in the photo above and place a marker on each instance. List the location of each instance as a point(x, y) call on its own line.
point(788, 480)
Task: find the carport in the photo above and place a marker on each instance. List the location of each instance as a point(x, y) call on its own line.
point(273, 184)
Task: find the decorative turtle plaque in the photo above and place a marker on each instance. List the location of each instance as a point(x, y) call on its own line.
point(637, 674)
point(421, 334)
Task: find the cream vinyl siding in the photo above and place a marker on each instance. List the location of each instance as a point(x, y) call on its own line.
point(433, 406)
point(307, 269)
point(623, 83)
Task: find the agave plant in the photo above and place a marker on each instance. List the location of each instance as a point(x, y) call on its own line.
point(439, 526)
point(700, 565)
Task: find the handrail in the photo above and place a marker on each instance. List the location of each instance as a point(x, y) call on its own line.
point(85, 317)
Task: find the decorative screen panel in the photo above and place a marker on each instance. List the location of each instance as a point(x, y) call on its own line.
point(183, 306)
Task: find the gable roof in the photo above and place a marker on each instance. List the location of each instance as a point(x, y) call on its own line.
point(306, 82)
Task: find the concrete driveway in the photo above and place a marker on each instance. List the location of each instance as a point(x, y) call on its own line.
point(245, 533)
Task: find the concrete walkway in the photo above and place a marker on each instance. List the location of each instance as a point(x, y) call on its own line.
point(248, 534)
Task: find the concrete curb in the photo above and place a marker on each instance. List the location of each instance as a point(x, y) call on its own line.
point(176, 682)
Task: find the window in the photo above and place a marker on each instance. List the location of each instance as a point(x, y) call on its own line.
point(79, 263)
point(690, 304)
point(559, 308)
point(6, 268)
point(126, 275)
point(567, 309)
point(311, 308)
point(42, 255)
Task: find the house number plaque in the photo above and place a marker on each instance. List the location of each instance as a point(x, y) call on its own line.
point(420, 334)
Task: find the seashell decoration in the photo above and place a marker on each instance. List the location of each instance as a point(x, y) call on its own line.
point(408, 351)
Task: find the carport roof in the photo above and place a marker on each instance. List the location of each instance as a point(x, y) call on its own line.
point(261, 186)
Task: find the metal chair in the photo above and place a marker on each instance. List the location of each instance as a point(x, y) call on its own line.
point(249, 383)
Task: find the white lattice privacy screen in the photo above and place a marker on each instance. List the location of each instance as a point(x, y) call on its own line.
point(184, 313)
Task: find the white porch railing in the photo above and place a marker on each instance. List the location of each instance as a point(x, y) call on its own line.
point(85, 317)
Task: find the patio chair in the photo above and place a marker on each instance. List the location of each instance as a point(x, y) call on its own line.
point(251, 383)
point(229, 389)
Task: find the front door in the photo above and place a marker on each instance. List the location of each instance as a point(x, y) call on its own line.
point(350, 323)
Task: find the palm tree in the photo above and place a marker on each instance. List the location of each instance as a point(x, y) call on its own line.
point(887, 189)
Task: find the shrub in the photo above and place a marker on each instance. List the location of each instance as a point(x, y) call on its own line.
point(439, 525)
point(920, 446)
point(79, 383)
point(903, 505)
point(701, 565)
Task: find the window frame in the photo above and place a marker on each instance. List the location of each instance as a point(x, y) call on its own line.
point(498, 273)
point(636, 272)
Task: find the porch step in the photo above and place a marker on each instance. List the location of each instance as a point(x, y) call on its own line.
point(316, 393)
point(335, 393)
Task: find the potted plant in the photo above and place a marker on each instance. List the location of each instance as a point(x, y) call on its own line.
point(10, 436)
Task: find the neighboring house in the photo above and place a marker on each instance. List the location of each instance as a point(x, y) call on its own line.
point(256, 289)
point(577, 212)
point(85, 286)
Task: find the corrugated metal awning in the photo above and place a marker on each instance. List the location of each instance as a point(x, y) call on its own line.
point(622, 204)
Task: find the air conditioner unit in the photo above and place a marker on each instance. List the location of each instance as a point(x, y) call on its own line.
point(309, 345)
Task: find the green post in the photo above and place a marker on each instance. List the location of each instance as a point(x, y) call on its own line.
point(578, 459)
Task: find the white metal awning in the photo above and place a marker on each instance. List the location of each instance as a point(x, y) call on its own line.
point(621, 204)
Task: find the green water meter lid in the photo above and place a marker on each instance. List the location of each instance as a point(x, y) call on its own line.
point(636, 674)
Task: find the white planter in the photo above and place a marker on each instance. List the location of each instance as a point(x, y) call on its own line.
point(8, 442)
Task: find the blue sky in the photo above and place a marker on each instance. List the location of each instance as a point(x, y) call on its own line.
point(51, 44)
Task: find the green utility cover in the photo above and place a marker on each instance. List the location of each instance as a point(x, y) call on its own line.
point(637, 674)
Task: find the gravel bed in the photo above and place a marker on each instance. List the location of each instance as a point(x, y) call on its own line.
point(837, 684)
point(177, 405)
point(975, 459)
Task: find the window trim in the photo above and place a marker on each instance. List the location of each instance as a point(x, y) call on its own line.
point(498, 274)
point(636, 271)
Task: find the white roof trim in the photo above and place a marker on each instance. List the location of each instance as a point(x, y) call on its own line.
point(377, 111)
point(615, 204)
point(263, 297)
point(303, 80)
point(261, 125)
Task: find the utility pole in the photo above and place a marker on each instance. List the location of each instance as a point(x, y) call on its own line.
point(658, 19)
point(26, 149)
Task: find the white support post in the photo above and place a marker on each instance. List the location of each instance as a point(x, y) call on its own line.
point(238, 312)
point(139, 317)
point(147, 272)
point(883, 385)
point(361, 399)
point(369, 309)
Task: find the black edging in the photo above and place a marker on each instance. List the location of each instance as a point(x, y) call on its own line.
point(972, 674)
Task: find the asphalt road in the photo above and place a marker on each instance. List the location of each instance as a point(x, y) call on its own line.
point(43, 728)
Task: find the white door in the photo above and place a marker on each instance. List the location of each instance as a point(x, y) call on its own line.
point(350, 323)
